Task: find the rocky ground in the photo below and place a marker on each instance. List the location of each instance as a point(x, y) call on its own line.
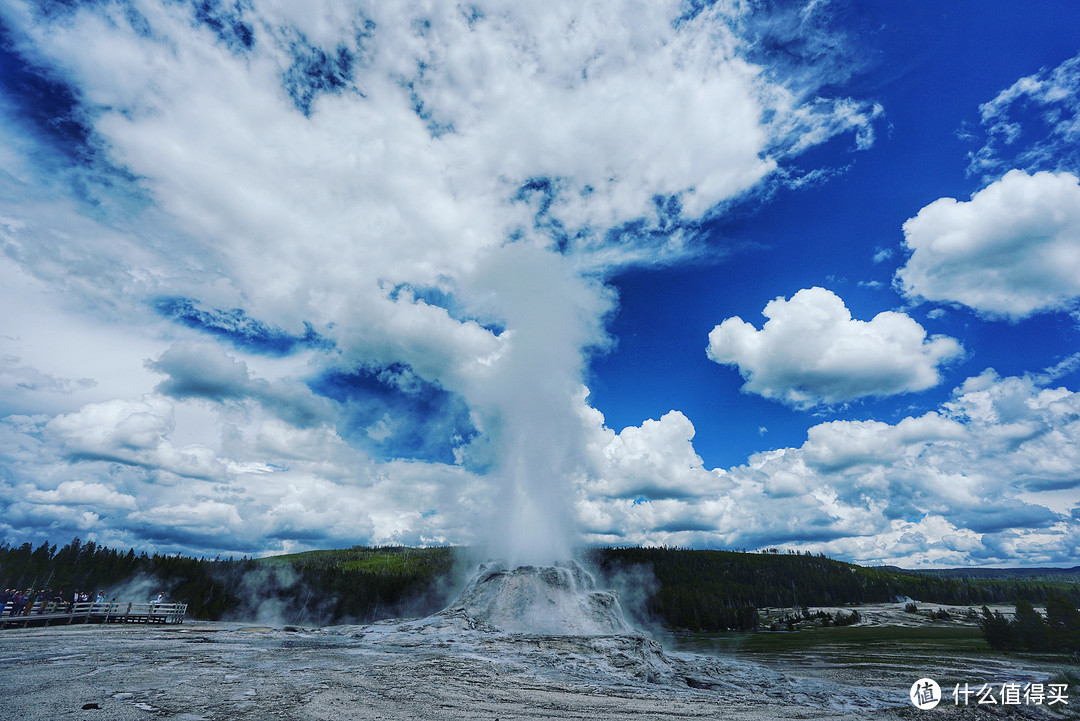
point(438, 668)
point(522, 643)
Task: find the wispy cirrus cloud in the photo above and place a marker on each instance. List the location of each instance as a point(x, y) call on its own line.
point(1032, 125)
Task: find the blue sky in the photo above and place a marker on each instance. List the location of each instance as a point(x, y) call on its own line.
point(931, 69)
point(719, 275)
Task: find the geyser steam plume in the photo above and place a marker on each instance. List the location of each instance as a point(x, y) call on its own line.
point(531, 398)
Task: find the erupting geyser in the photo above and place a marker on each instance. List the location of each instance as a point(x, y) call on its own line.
point(557, 600)
point(548, 627)
point(548, 616)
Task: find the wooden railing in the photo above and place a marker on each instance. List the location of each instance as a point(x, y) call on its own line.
point(52, 612)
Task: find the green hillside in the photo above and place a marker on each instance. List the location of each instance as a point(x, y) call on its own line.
point(706, 590)
point(678, 588)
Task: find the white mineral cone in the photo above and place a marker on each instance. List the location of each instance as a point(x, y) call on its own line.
point(559, 600)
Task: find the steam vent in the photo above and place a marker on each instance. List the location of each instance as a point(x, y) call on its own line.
point(559, 600)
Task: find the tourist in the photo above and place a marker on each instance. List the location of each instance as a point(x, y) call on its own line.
point(45, 598)
point(20, 603)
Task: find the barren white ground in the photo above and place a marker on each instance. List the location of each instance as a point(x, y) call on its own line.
point(522, 643)
point(436, 668)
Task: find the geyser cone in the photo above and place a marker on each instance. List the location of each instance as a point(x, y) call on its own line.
point(558, 600)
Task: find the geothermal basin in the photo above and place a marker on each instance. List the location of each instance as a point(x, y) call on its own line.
point(522, 643)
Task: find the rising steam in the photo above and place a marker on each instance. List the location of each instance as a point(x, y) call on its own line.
point(531, 395)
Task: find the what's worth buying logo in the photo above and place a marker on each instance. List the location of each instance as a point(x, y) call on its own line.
point(925, 694)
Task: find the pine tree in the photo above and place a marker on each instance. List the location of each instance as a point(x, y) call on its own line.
point(1032, 631)
point(1063, 623)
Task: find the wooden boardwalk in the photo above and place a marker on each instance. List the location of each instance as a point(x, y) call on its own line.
point(53, 613)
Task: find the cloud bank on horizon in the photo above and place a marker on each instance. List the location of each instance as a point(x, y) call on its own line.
point(279, 278)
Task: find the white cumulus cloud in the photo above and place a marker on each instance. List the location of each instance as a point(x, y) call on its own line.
point(81, 493)
point(811, 351)
point(132, 432)
point(422, 187)
point(1011, 251)
point(989, 477)
point(655, 460)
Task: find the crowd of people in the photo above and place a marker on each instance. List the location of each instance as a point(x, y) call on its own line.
point(23, 603)
point(15, 602)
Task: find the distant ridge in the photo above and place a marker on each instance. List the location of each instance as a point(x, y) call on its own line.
point(1068, 575)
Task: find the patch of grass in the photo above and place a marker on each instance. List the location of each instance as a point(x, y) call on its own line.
point(948, 638)
point(867, 645)
point(1070, 676)
point(384, 563)
point(378, 560)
